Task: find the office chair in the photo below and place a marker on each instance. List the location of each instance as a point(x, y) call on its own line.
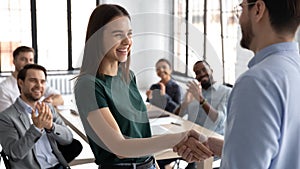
point(5, 160)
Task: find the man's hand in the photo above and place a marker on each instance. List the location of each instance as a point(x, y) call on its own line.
point(54, 99)
point(194, 148)
point(188, 98)
point(49, 99)
point(215, 145)
point(195, 88)
point(44, 117)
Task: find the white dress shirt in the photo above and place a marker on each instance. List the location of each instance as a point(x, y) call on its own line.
point(217, 96)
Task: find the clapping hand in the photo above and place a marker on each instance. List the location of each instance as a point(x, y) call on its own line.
point(162, 88)
point(149, 94)
point(195, 88)
point(44, 117)
point(49, 99)
point(195, 148)
point(188, 98)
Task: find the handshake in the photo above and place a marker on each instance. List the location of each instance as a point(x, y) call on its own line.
point(197, 147)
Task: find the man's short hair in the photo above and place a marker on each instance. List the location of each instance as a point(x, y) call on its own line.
point(23, 72)
point(284, 14)
point(202, 61)
point(20, 49)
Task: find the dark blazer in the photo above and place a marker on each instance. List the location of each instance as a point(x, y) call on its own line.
point(171, 100)
point(18, 137)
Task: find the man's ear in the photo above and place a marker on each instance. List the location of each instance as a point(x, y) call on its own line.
point(260, 9)
point(20, 83)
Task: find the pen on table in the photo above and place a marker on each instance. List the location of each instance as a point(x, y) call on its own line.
point(177, 124)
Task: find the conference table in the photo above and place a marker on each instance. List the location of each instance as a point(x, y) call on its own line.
point(161, 122)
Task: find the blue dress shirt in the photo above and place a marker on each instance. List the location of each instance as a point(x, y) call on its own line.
point(263, 122)
point(217, 96)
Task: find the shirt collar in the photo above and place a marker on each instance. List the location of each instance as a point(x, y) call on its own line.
point(27, 108)
point(170, 82)
point(214, 87)
point(269, 50)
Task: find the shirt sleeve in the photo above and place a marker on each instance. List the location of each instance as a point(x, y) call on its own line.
point(253, 125)
point(50, 90)
point(222, 107)
point(61, 132)
point(5, 100)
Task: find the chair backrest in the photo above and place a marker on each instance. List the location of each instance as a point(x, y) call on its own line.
point(5, 160)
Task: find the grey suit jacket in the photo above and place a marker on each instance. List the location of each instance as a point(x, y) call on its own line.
point(18, 136)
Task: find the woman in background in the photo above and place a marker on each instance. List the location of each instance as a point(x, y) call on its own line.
point(111, 108)
point(165, 94)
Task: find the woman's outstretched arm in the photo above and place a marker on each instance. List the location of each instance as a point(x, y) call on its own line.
point(107, 129)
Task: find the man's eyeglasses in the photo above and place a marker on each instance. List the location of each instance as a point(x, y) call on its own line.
point(239, 8)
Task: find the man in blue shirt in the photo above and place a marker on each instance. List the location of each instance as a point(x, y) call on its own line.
point(263, 120)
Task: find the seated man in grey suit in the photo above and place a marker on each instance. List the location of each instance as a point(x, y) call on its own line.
point(29, 129)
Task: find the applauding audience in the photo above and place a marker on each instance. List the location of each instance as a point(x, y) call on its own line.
point(9, 91)
point(30, 130)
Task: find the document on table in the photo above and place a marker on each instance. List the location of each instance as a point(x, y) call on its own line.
point(159, 130)
point(157, 114)
point(163, 120)
point(158, 125)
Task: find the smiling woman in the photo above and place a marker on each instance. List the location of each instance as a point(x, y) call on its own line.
point(166, 93)
point(118, 41)
point(111, 108)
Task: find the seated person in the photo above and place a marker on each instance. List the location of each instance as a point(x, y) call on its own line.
point(30, 130)
point(205, 101)
point(9, 88)
point(165, 94)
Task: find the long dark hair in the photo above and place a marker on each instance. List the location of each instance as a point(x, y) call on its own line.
point(93, 51)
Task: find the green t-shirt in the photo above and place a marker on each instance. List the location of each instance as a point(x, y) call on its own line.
point(125, 104)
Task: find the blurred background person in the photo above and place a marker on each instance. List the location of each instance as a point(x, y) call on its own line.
point(165, 94)
point(206, 100)
point(9, 91)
